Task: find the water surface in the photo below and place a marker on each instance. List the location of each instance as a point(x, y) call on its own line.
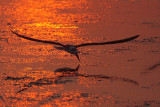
point(37, 74)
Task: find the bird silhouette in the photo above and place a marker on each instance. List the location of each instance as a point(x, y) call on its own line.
point(72, 49)
point(60, 78)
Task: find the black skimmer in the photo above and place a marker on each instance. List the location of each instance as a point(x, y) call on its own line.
point(72, 49)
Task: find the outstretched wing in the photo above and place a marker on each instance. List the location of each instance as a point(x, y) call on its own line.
point(110, 42)
point(32, 39)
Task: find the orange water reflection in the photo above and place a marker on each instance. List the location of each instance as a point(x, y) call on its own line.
point(47, 88)
point(28, 68)
point(51, 92)
point(50, 10)
point(50, 20)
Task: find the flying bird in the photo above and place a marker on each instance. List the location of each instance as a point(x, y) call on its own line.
point(72, 49)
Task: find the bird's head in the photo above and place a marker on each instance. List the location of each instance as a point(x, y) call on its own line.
point(72, 49)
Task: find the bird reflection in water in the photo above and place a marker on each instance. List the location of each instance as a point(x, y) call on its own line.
point(67, 72)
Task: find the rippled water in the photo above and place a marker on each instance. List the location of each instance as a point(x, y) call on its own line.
point(121, 75)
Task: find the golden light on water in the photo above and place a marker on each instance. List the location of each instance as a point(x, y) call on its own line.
point(49, 25)
point(51, 20)
point(106, 75)
point(50, 11)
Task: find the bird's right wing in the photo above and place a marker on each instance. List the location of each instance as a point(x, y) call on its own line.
point(109, 42)
point(36, 40)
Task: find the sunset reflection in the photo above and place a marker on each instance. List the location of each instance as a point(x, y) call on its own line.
point(50, 20)
point(36, 74)
point(50, 11)
point(40, 81)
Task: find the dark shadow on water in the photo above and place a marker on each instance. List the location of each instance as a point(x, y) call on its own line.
point(62, 73)
point(16, 78)
point(148, 40)
point(66, 72)
point(152, 68)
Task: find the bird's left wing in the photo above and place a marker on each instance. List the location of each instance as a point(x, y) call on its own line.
point(32, 39)
point(110, 42)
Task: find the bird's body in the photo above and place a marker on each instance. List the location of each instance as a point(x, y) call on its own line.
point(72, 49)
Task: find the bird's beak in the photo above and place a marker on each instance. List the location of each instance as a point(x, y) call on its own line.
point(77, 68)
point(77, 56)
